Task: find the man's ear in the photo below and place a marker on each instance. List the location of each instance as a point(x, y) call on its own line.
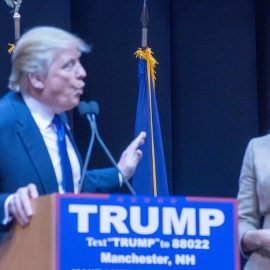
point(36, 81)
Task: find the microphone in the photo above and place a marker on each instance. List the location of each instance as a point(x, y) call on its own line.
point(86, 109)
point(91, 116)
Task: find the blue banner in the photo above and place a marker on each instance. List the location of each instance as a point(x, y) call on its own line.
point(116, 232)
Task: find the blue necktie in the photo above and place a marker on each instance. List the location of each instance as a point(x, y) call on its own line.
point(67, 177)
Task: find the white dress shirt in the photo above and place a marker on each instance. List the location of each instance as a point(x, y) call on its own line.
point(43, 117)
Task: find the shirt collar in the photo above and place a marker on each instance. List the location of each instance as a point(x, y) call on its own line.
point(41, 113)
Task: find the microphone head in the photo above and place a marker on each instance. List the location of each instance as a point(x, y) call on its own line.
point(83, 108)
point(93, 107)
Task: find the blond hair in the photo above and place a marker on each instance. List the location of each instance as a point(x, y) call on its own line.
point(36, 50)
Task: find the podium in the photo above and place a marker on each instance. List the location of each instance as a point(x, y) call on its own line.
point(32, 247)
point(92, 231)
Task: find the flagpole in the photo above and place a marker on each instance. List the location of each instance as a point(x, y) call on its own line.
point(15, 5)
point(144, 20)
point(17, 20)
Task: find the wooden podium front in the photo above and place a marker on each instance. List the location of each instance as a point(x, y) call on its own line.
point(31, 247)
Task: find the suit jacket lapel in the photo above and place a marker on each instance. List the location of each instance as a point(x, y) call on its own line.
point(35, 146)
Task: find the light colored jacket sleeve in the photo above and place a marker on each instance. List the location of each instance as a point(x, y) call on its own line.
point(248, 202)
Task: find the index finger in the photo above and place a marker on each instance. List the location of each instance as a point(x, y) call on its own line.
point(138, 141)
point(32, 191)
point(24, 200)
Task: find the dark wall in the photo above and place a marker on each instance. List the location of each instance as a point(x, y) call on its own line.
point(263, 60)
point(214, 93)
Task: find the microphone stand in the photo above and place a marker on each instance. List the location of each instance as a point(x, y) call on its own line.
point(92, 120)
point(89, 151)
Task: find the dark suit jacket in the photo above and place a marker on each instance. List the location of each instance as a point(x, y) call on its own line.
point(24, 157)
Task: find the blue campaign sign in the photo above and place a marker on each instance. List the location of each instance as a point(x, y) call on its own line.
point(118, 232)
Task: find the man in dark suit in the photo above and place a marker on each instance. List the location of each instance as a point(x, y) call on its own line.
point(47, 79)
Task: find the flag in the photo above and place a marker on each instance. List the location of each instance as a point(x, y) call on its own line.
point(150, 177)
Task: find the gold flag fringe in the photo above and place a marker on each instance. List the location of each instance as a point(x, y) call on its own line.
point(11, 48)
point(147, 55)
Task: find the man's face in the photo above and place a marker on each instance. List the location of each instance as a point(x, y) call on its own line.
point(63, 85)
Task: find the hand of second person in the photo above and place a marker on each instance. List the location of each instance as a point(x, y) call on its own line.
point(264, 238)
point(20, 205)
point(131, 156)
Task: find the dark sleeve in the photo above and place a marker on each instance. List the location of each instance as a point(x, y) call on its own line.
point(103, 180)
point(3, 198)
